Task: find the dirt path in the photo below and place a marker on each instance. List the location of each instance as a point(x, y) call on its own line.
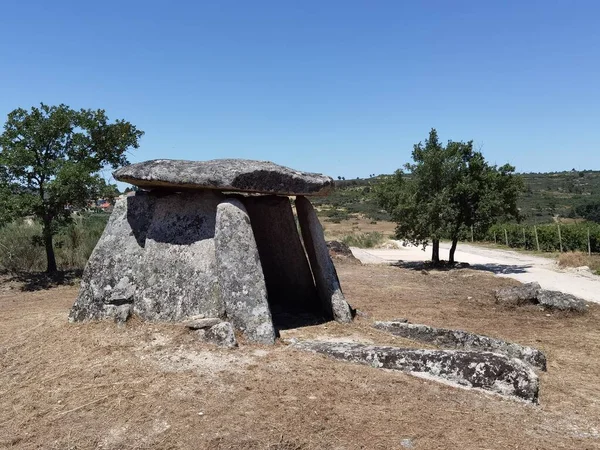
point(519, 266)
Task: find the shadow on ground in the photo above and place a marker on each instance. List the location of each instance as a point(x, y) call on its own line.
point(497, 269)
point(285, 320)
point(36, 281)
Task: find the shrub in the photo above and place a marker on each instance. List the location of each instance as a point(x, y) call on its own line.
point(21, 249)
point(363, 240)
point(574, 236)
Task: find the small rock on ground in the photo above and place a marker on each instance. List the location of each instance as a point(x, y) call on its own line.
point(220, 334)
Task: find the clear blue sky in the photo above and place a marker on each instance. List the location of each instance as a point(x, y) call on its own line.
point(339, 87)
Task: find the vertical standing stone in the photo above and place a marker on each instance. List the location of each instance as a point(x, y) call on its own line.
point(288, 277)
point(241, 277)
point(111, 277)
point(326, 278)
point(179, 266)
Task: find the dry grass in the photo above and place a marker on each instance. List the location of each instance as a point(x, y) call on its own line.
point(579, 259)
point(65, 386)
point(357, 226)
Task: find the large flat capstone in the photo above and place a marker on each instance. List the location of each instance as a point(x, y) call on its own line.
point(241, 175)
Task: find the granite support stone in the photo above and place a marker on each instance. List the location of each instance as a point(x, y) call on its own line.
point(325, 275)
point(241, 278)
point(179, 271)
point(111, 277)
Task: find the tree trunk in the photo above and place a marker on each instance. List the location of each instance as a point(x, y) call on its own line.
point(452, 250)
point(47, 232)
point(435, 254)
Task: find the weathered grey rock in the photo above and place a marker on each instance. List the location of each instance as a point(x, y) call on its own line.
point(459, 339)
point(326, 279)
point(341, 252)
point(561, 301)
point(179, 276)
point(337, 248)
point(111, 277)
point(517, 295)
point(290, 284)
point(241, 278)
point(198, 323)
point(225, 175)
point(221, 334)
point(483, 370)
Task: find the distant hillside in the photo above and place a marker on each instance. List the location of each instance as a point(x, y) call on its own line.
point(547, 195)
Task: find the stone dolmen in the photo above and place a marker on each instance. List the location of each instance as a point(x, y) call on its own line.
point(214, 239)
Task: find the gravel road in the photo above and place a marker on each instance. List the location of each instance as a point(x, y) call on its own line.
point(504, 263)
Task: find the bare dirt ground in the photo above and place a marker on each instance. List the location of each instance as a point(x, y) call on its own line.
point(66, 386)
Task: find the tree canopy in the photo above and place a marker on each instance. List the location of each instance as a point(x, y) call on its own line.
point(51, 157)
point(446, 191)
point(589, 211)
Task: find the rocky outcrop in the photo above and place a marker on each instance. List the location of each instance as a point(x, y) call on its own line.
point(481, 370)
point(326, 279)
point(517, 295)
point(561, 301)
point(241, 277)
point(458, 339)
point(241, 175)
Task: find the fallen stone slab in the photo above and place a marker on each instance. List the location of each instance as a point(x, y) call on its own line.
point(561, 301)
point(517, 295)
point(221, 334)
point(238, 175)
point(491, 372)
point(459, 339)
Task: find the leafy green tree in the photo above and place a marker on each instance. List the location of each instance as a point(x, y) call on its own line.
point(51, 158)
point(589, 211)
point(447, 190)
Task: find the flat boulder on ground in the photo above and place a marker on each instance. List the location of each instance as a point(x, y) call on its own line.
point(561, 301)
point(517, 295)
point(468, 369)
point(239, 175)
